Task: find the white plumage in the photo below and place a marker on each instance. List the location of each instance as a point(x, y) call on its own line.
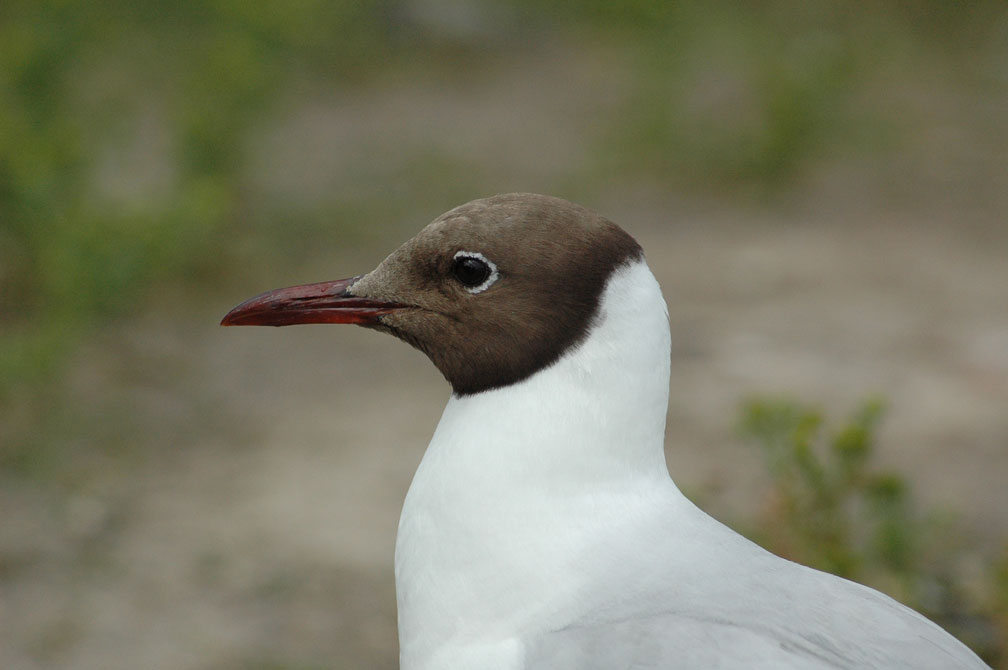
point(542, 531)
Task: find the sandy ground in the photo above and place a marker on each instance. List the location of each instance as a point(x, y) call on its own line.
point(256, 529)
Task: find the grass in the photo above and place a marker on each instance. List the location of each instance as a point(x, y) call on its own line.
point(829, 507)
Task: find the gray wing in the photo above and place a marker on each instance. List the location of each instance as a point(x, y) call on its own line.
point(704, 597)
point(673, 641)
point(667, 642)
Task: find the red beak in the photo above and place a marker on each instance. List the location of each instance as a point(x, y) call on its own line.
point(325, 302)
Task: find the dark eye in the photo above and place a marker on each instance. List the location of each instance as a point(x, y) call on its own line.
point(470, 271)
point(474, 271)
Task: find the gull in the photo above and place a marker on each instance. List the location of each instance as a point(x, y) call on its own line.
point(542, 529)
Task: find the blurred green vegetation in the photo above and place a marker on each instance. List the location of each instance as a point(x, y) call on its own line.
point(831, 509)
point(75, 77)
point(125, 127)
point(127, 130)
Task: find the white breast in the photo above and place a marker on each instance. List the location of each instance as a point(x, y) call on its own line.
point(516, 481)
point(542, 530)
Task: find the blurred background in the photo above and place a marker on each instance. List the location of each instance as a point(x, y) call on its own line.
point(821, 188)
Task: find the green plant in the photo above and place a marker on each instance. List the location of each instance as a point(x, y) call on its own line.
point(831, 508)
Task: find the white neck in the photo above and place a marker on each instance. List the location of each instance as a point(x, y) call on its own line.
point(511, 484)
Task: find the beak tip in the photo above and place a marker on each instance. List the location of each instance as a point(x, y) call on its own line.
point(325, 302)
